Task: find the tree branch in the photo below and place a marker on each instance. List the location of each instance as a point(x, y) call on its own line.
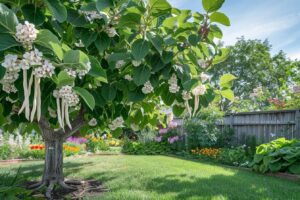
point(76, 125)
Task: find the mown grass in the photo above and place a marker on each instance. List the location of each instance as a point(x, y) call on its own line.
point(166, 178)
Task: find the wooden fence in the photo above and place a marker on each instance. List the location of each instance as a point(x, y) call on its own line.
point(263, 125)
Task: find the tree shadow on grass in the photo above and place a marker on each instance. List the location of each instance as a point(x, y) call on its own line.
point(238, 186)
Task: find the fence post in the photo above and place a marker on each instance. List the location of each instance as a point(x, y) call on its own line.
point(297, 123)
point(231, 121)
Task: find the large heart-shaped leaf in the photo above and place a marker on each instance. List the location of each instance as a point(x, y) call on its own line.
point(141, 75)
point(76, 59)
point(140, 49)
point(8, 20)
point(57, 9)
point(47, 39)
point(86, 96)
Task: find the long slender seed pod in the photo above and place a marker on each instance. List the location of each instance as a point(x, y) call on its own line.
point(39, 100)
point(67, 116)
point(25, 87)
point(58, 112)
point(196, 106)
point(34, 99)
point(63, 113)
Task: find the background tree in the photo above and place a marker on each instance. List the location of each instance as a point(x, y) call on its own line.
point(71, 65)
point(251, 61)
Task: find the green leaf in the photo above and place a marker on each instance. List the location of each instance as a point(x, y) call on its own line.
point(167, 56)
point(97, 71)
point(103, 4)
point(57, 9)
point(2, 72)
point(63, 78)
point(33, 14)
point(159, 7)
point(76, 19)
point(130, 20)
point(228, 94)
point(135, 96)
point(141, 75)
point(193, 39)
point(76, 59)
point(102, 42)
point(8, 20)
point(86, 96)
point(222, 57)
point(226, 79)
point(295, 168)
point(189, 84)
point(212, 5)
point(220, 18)
point(47, 39)
point(140, 49)
point(178, 110)
point(108, 92)
point(156, 41)
point(7, 41)
point(167, 97)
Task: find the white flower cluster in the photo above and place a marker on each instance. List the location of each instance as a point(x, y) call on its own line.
point(178, 68)
point(90, 15)
point(120, 64)
point(31, 58)
point(128, 77)
point(258, 91)
point(199, 90)
point(81, 72)
point(68, 95)
point(148, 88)
point(111, 32)
point(202, 63)
point(136, 63)
point(26, 34)
point(173, 87)
point(186, 95)
point(12, 67)
point(46, 70)
point(116, 123)
point(93, 122)
point(204, 77)
point(70, 72)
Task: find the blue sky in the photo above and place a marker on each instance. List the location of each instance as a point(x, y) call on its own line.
point(275, 20)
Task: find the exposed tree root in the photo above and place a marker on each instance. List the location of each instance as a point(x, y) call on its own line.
point(71, 189)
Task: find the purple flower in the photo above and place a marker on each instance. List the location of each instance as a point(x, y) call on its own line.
point(171, 140)
point(172, 124)
point(79, 140)
point(158, 138)
point(163, 131)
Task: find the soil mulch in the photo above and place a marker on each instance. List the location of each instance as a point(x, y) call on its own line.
point(83, 189)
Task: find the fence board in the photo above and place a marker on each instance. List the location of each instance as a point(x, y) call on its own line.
point(263, 125)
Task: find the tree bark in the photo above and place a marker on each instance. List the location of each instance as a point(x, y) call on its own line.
point(53, 168)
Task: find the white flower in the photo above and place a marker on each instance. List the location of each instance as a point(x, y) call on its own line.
point(136, 63)
point(46, 70)
point(26, 34)
point(116, 123)
point(79, 44)
point(69, 96)
point(90, 15)
point(178, 68)
point(10, 62)
point(9, 88)
point(128, 77)
point(33, 57)
point(92, 122)
point(201, 63)
point(111, 32)
point(199, 90)
point(173, 87)
point(147, 88)
point(12, 67)
point(186, 95)
point(70, 72)
point(120, 63)
point(204, 77)
point(83, 72)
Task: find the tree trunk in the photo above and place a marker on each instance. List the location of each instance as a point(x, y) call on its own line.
point(53, 169)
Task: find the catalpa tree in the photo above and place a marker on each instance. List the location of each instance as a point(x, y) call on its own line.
point(70, 65)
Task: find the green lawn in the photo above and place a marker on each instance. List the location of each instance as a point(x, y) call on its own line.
point(161, 177)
